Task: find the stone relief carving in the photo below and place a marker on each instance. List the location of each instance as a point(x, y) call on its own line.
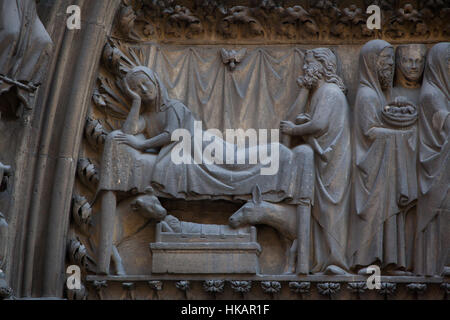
point(124, 183)
point(232, 57)
point(25, 47)
point(432, 247)
point(383, 188)
point(389, 114)
point(313, 20)
point(325, 127)
point(150, 129)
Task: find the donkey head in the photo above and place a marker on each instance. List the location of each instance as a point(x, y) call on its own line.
point(250, 213)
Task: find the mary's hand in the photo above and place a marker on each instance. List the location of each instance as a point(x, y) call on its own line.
point(287, 127)
point(132, 94)
point(129, 139)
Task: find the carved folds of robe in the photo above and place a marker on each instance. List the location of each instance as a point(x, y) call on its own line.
point(125, 169)
point(385, 179)
point(329, 108)
point(24, 47)
point(433, 211)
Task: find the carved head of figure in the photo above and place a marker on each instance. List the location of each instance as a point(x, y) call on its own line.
point(320, 63)
point(410, 61)
point(376, 68)
point(146, 84)
point(385, 67)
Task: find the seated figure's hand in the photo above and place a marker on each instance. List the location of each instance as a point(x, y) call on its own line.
point(132, 94)
point(287, 127)
point(128, 139)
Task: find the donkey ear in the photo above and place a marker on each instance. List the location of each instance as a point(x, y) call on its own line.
point(256, 195)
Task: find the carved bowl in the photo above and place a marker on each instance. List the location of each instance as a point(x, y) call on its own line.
point(399, 116)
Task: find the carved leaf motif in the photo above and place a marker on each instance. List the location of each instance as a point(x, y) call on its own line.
point(100, 284)
point(81, 213)
point(357, 287)
point(388, 288)
point(241, 15)
point(78, 254)
point(95, 133)
point(183, 285)
point(328, 288)
point(88, 174)
point(241, 286)
point(271, 286)
point(446, 287)
point(418, 288)
point(300, 287)
point(156, 285)
point(129, 293)
point(213, 286)
point(127, 20)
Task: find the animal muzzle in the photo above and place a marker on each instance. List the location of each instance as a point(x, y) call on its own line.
point(233, 222)
point(161, 213)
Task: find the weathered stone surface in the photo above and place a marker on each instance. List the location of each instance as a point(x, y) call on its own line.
point(87, 176)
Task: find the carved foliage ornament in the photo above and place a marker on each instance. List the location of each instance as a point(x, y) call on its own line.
point(317, 20)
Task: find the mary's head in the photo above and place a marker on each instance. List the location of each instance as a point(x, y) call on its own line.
point(145, 83)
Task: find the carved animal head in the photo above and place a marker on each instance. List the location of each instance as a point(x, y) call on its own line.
point(251, 212)
point(148, 205)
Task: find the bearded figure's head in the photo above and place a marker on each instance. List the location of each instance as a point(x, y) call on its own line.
point(320, 64)
point(385, 67)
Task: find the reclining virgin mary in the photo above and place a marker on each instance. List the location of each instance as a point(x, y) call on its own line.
point(139, 156)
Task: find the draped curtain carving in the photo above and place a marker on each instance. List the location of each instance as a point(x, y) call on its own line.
point(259, 93)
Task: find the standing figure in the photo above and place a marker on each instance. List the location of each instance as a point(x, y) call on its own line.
point(433, 210)
point(325, 127)
point(24, 50)
point(385, 181)
point(410, 63)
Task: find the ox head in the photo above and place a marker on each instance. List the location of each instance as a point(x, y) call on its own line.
point(148, 205)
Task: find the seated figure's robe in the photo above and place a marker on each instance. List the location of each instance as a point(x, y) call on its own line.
point(125, 169)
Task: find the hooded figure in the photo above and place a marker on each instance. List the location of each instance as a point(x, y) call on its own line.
point(385, 180)
point(433, 210)
point(24, 48)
